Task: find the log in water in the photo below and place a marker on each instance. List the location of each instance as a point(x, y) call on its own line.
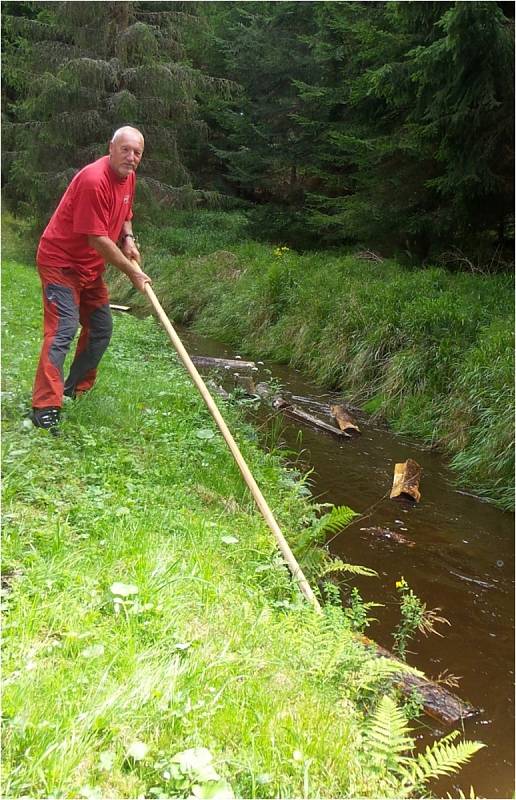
point(222, 363)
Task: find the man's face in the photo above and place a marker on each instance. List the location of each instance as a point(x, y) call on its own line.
point(125, 153)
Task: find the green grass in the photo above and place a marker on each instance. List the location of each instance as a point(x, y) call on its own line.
point(210, 646)
point(429, 351)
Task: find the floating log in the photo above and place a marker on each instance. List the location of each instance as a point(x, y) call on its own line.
point(222, 363)
point(344, 419)
point(406, 481)
point(325, 408)
point(116, 307)
point(438, 702)
point(245, 382)
point(278, 402)
point(302, 416)
point(309, 401)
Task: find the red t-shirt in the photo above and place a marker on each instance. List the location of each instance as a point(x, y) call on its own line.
point(96, 203)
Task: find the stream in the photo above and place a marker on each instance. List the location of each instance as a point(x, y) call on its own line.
point(462, 562)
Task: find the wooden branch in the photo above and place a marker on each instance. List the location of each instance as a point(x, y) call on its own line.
point(223, 363)
point(406, 481)
point(344, 419)
point(295, 413)
point(394, 536)
point(438, 702)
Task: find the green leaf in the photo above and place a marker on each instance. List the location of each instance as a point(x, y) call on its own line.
point(205, 433)
point(137, 750)
point(229, 539)
point(106, 760)
point(95, 651)
point(219, 790)
point(355, 569)
point(123, 589)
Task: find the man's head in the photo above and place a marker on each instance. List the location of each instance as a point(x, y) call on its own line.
point(125, 150)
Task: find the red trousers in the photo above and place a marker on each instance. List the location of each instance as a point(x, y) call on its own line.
point(69, 300)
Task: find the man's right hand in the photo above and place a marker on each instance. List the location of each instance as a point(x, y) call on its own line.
point(139, 279)
point(111, 253)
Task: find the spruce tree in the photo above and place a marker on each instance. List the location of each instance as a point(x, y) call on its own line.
point(81, 70)
point(261, 46)
point(414, 117)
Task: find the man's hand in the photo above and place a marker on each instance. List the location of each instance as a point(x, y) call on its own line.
point(114, 255)
point(130, 250)
point(139, 279)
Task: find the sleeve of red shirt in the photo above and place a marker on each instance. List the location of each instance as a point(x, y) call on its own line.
point(91, 210)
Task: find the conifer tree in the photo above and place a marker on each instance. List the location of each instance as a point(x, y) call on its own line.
point(414, 118)
point(81, 70)
point(388, 124)
point(261, 46)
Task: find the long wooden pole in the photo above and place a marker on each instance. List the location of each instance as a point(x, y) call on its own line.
point(237, 455)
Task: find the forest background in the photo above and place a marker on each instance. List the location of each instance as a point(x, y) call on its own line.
point(373, 140)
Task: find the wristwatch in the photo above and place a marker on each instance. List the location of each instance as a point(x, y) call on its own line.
point(126, 236)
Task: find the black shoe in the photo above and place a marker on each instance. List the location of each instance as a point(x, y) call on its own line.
point(47, 418)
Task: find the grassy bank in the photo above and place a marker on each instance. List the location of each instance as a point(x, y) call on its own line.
point(154, 644)
point(429, 351)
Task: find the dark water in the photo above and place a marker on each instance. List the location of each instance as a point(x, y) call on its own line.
point(462, 562)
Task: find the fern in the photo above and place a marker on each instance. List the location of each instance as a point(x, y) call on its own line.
point(381, 671)
point(442, 758)
point(338, 518)
point(387, 736)
point(356, 569)
point(388, 745)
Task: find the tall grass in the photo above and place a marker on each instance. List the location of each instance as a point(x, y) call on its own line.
point(428, 350)
point(147, 616)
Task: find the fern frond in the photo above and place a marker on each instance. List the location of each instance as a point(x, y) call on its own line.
point(387, 735)
point(442, 758)
point(337, 565)
point(338, 518)
point(379, 671)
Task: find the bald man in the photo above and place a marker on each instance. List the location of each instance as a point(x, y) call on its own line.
point(91, 226)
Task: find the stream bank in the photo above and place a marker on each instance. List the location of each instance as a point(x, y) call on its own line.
point(462, 562)
point(432, 351)
point(148, 620)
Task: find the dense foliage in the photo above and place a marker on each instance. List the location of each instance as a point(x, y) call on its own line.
point(74, 72)
point(384, 124)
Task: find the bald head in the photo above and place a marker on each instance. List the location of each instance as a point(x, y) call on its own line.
point(125, 150)
point(126, 130)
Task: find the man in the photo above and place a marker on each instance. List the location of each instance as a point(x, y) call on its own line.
point(91, 226)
